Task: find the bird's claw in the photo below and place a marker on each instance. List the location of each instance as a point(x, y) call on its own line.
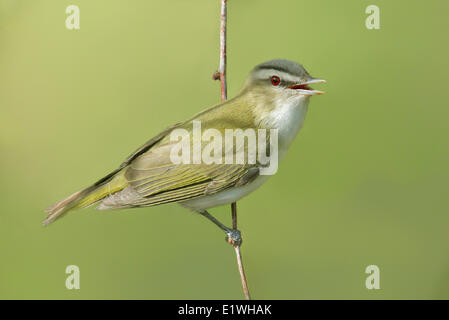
point(234, 237)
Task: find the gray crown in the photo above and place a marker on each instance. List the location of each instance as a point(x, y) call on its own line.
point(286, 66)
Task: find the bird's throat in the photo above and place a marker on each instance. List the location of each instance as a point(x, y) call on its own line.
point(288, 118)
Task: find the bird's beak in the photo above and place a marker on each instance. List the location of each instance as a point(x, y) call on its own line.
point(303, 88)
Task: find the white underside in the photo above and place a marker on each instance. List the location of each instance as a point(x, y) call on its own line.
point(288, 118)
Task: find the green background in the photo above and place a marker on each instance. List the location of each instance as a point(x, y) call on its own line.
point(365, 182)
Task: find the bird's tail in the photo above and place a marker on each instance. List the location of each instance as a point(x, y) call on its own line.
point(110, 184)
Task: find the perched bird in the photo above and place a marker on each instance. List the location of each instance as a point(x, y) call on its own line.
point(275, 96)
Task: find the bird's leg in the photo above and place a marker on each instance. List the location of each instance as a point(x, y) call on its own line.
point(233, 237)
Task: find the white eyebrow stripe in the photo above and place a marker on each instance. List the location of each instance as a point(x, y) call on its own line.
point(267, 73)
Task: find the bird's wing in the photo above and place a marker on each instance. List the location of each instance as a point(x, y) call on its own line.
point(148, 145)
point(156, 179)
point(153, 178)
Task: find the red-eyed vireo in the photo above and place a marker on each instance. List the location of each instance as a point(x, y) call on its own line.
point(272, 103)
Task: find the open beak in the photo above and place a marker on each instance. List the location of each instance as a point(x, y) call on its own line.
point(304, 88)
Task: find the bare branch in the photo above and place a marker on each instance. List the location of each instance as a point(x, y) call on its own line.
point(234, 215)
point(221, 74)
point(222, 68)
point(238, 254)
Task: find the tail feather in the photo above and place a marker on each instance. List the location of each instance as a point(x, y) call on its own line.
point(86, 197)
point(61, 207)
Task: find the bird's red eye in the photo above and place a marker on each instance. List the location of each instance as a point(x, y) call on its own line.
point(275, 80)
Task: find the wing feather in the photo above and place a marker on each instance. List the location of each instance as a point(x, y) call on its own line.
point(154, 179)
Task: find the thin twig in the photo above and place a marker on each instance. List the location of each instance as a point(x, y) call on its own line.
point(221, 74)
point(222, 68)
point(238, 254)
point(234, 215)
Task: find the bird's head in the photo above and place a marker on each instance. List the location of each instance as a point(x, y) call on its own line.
point(281, 81)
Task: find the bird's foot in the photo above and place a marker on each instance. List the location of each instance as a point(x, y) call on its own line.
point(234, 237)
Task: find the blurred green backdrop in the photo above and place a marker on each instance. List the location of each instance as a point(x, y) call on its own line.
point(366, 181)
